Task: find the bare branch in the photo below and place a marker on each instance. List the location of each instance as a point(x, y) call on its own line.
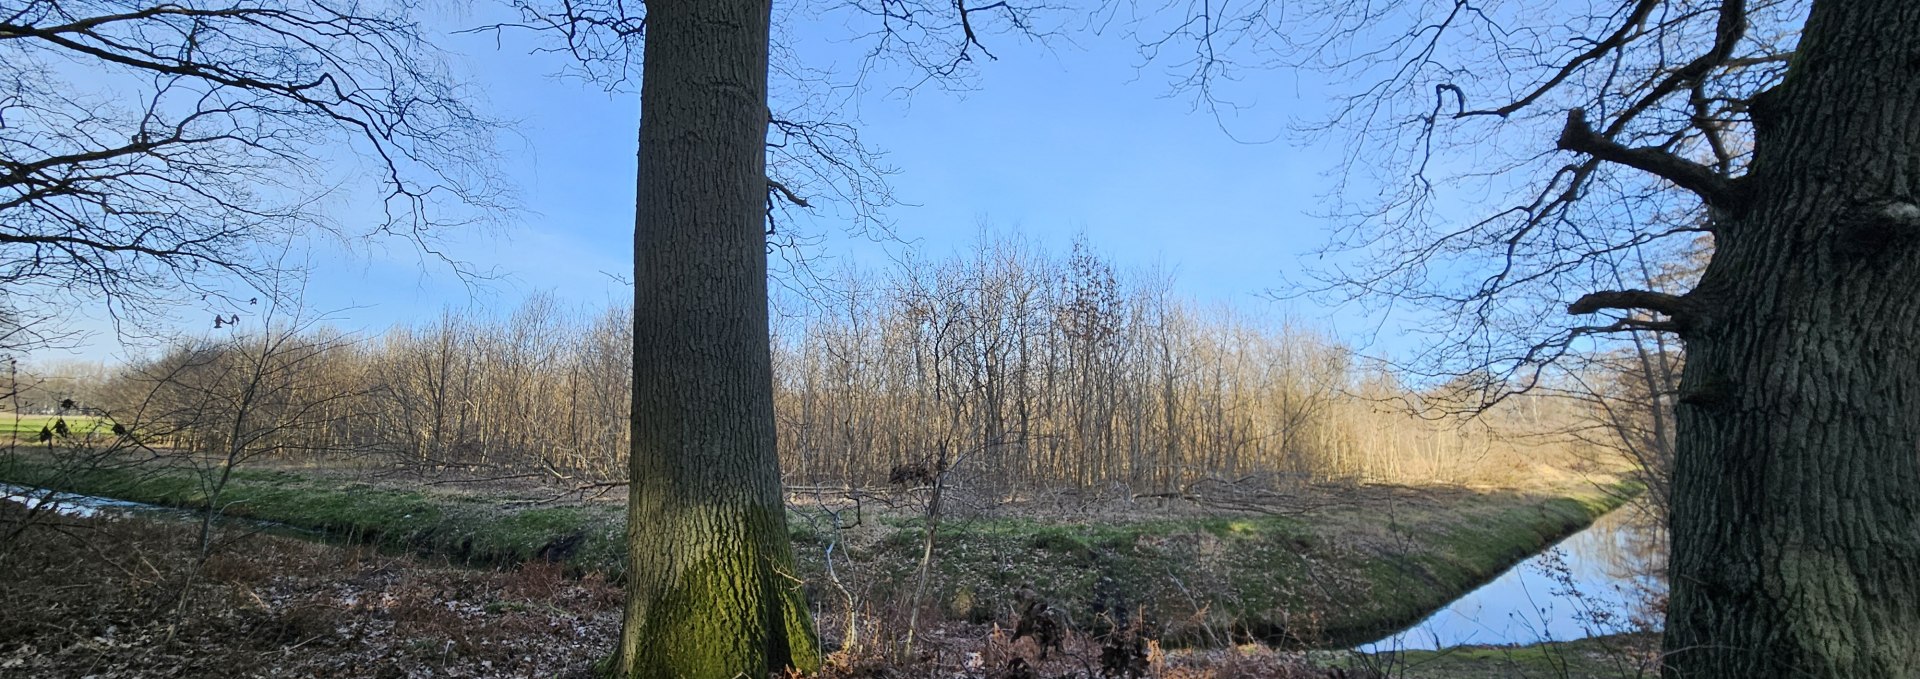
point(775, 186)
point(1717, 190)
point(174, 143)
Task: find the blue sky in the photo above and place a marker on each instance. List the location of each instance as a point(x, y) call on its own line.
point(1053, 141)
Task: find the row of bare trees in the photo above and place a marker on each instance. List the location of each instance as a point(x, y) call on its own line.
point(542, 391)
point(1022, 368)
point(1035, 369)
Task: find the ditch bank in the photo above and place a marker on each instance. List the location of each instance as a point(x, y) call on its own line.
point(1341, 574)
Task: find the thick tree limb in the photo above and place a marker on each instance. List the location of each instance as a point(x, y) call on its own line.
point(1629, 325)
point(1657, 302)
point(1718, 191)
point(775, 185)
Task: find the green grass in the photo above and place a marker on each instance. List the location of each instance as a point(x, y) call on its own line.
point(473, 532)
point(28, 427)
point(1338, 577)
point(1625, 656)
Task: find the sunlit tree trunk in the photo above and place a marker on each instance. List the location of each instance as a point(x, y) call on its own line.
point(711, 590)
point(1796, 497)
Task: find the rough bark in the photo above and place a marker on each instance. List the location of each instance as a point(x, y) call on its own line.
point(711, 591)
point(1796, 497)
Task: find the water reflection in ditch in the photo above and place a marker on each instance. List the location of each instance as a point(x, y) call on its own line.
point(68, 504)
point(86, 506)
point(1602, 580)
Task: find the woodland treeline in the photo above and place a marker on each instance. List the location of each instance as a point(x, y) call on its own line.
point(1022, 368)
point(1057, 369)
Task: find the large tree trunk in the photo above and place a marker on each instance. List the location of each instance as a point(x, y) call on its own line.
point(1796, 497)
point(711, 590)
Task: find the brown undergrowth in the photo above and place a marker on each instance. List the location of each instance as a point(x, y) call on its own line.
point(102, 597)
point(993, 652)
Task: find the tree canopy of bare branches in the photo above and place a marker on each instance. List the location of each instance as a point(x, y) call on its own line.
point(1503, 159)
point(150, 152)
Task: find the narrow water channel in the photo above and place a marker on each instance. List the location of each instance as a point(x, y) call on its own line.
point(68, 504)
point(1595, 583)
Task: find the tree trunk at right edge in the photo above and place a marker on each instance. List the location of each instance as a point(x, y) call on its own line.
point(1796, 496)
point(711, 588)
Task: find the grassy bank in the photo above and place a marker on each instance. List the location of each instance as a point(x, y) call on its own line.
point(1620, 656)
point(462, 527)
point(1332, 578)
point(1364, 561)
point(91, 597)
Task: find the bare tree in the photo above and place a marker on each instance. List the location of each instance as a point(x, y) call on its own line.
point(708, 592)
point(710, 585)
point(229, 401)
point(1778, 127)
